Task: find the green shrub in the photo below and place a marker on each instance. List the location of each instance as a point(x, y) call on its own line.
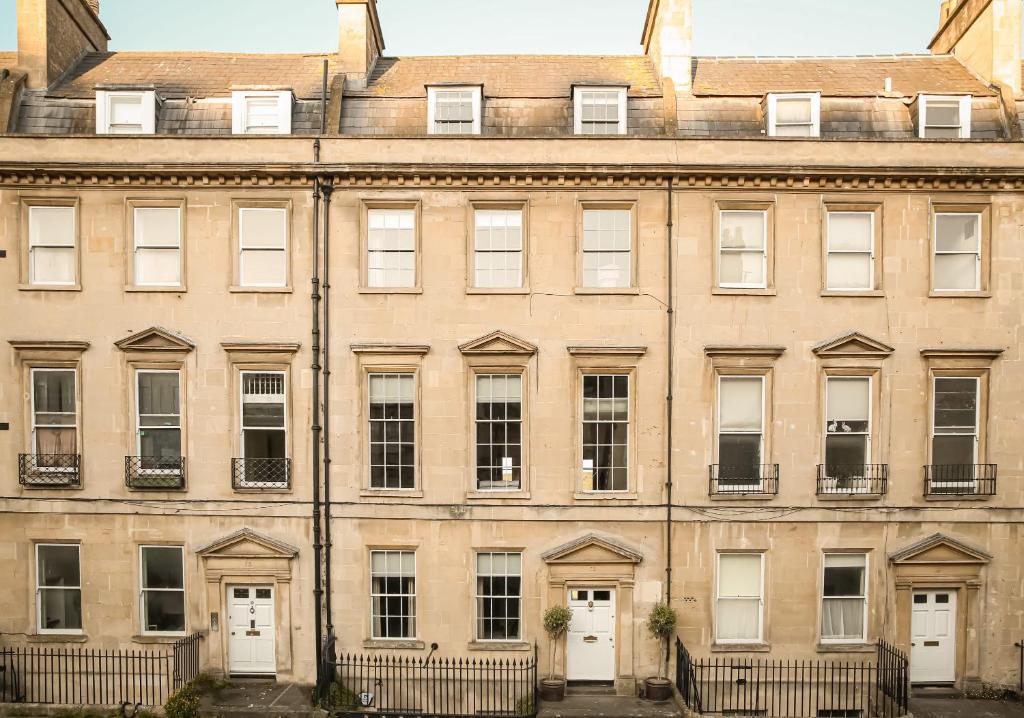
point(184, 703)
point(525, 707)
point(341, 698)
point(662, 621)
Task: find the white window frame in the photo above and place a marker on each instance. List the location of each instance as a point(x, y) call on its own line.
point(477, 421)
point(34, 425)
point(864, 486)
point(49, 244)
point(965, 114)
point(477, 252)
point(829, 251)
point(763, 284)
point(40, 588)
point(138, 422)
point(756, 484)
point(240, 110)
point(601, 209)
point(583, 421)
point(104, 113)
point(282, 250)
point(977, 255)
point(718, 598)
point(384, 211)
point(414, 595)
point(137, 248)
point(241, 406)
point(864, 621)
point(577, 103)
point(432, 94)
point(369, 431)
point(815, 100)
point(142, 591)
point(977, 429)
point(480, 597)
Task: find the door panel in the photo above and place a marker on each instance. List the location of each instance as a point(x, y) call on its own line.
point(933, 637)
point(251, 639)
point(590, 643)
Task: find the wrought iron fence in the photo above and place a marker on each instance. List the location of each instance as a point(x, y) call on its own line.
point(261, 473)
point(960, 479)
point(754, 479)
point(93, 677)
point(853, 479)
point(794, 689)
point(362, 685)
point(52, 470)
point(154, 472)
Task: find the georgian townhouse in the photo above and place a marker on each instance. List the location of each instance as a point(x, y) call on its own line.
point(407, 350)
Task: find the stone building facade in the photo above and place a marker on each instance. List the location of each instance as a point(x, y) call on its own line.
point(741, 334)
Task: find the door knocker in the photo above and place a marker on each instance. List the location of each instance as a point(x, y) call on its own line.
point(590, 606)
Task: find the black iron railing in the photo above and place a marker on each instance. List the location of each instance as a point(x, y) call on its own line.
point(90, 677)
point(729, 480)
point(51, 470)
point(436, 687)
point(852, 479)
point(153, 472)
point(794, 689)
point(960, 480)
point(261, 473)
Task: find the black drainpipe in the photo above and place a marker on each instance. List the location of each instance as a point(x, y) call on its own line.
point(327, 188)
point(670, 319)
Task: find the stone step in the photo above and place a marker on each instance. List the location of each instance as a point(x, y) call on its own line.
point(590, 689)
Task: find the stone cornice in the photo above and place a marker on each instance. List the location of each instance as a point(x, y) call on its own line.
point(409, 349)
point(601, 351)
point(991, 354)
point(71, 347)
point(261, 347)
point(743, 351)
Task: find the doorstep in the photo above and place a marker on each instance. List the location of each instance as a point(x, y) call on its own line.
point(602, 706)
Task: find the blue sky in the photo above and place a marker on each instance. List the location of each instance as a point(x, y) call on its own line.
point(434, 27)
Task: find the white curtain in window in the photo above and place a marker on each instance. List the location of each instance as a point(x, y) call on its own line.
point(848, 399)
point(738, 619)
point(740, 399)
point(842, 618)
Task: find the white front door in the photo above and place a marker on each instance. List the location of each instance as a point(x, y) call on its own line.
point(251, 645)
point(590, 643)
point(933, 637)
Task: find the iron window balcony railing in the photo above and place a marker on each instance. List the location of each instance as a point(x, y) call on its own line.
point(154, 472)
point(960, 480)
point(724, 480)
point(852, 479)
point(261, 473)
point(50, 470)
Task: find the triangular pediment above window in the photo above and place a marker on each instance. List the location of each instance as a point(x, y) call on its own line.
point(248, 544)
point(853, 344)
point(592, 549)
point(498, 342)
point(939, 548)
point(156, 339)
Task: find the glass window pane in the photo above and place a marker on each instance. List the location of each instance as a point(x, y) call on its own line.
point(848, 399)
point(157, 267)
point(60, 609)
point(58, 566)
point(794, 130)
point(956, 403)
point(262, 227)
point(157, 226)
point(743, 229)
point(162, 567)
point(845, 449)
point(53, 265)
point(164, 610)
point(842, 618)
point(53, 391)
point(740, 403)
point(739, 575)
point(739, 456)
point(742, 268)
point(844, 581)
point(738, 619)
point(943, 112)
point(158, 392)
point(126, 110)
point(955, 272)
point(791, 110)
point(51, 226)
point(957, 232)
point(263, 268)
point(953, 449)
point(850, 231)
point(849, 270)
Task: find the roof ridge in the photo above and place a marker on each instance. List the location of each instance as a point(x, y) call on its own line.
point(894, 56)
point(512, 54)
point(205, 53)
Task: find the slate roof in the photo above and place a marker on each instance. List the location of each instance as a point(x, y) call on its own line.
point(834, 76)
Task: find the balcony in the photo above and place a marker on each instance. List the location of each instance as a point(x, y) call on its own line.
point(154, 473)
point(261, 474)
point(55, 471)
point(852, 479)
point(758, 480)
point(960, 480)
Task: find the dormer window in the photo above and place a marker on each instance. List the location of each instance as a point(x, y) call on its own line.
point(794, 115)
point(453, 110)
point(125, 112)
point(599, 110)
point(944, 117)
point(261, 113)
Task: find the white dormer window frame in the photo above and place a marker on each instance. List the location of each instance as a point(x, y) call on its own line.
point(438, 92)
point(107, 116)
point(773, 102)
point(580, 92)
point(243, 101)
point(964, 127)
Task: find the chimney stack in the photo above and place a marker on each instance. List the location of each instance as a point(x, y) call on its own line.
point(360, 41)
point(984, 36)
point(668, 40)
point(53, 35)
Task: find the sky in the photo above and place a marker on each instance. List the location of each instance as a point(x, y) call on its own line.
point(442, 27)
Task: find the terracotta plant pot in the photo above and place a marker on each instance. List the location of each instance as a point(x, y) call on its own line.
point(658, 689)
point(552, 689)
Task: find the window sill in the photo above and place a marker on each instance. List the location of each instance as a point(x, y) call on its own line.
point(741, 647)
point(499, 291)
point(605, 495)
point(499, 646)
point(627, 291)
point(390, 290)
point(148, 640)
point(397, 644)
point(741, 291)
point(132, 289)
point(275, 491)
point(393, 493)
point(49, 287)
point(854, 496)
point(959, 295)
point(503, 495)
point(957, 497)
point(56, 638)
point(845, 648)
point(743, 497)
point(852, 293)
point(237, 289)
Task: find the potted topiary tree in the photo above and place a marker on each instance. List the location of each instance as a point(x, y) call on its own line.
point(556, 624)
point(662, 625)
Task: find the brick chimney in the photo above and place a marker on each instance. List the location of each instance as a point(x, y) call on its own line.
point(360, 41)
point(53, 35)
point(985, 36)
point(668, 40)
